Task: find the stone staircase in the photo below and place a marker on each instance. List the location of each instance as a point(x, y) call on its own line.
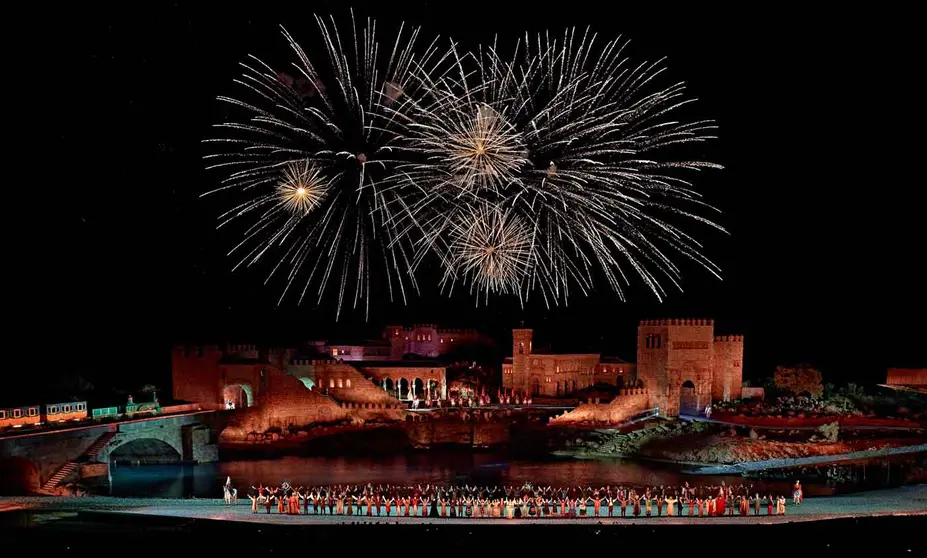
point(71, 467)
point(64, 472)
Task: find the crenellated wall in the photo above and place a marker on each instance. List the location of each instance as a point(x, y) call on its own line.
point(727, 367)
point(286, 402)
point(674, 359)
point(195, 375)
point(428, 339)
point(680, 362)
point(906, 377)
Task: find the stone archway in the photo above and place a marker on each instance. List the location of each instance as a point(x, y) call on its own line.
point(238, 396)
point(18, 477)
point(145, 451)
point(688, 399)
point(389, 386)
point(434, 389)
point(418, 386)
point(403, 388)
point(536, 387)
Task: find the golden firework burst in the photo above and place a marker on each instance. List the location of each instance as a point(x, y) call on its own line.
point(491, 250)
point(302, 187)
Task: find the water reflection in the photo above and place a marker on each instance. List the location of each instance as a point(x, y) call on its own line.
point(205, 481)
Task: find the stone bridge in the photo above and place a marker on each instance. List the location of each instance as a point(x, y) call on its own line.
point(43, 461)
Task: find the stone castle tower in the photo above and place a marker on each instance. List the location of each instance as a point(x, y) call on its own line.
point(684, 366)
point(726, 369)
point(521, 350)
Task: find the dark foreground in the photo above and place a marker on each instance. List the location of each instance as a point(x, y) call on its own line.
point(83, 533)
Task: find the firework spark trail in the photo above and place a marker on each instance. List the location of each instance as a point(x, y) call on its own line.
point(311, 160)
point(568, 138)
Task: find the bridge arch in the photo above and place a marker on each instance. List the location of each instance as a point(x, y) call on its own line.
point(18, 476)
point(145, 451)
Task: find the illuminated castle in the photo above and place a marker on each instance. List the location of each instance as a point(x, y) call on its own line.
point(682, 366)
point(422, 340)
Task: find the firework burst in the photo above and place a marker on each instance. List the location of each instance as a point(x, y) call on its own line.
point(579, 145)
point(308, 154)
point(491, 251)
point(302, 188)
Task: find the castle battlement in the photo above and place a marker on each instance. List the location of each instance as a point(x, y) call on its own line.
point(729, 338)
point(195, 350)
point(678, 322)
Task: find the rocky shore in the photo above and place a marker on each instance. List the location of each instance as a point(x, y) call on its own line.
point(707, 444)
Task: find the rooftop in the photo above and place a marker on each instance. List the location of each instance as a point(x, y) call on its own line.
point(397, 364)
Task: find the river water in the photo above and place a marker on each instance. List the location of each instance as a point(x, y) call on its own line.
point(434, 467)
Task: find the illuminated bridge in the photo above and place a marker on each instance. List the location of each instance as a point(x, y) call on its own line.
point(42, 461)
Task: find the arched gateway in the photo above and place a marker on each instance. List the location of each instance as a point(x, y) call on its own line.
point(688, 399)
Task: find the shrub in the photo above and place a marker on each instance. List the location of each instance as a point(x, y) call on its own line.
point(830, 431)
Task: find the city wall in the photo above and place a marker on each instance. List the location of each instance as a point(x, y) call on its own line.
point(907, 377)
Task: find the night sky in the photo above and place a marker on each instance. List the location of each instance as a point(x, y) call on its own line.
point(815, 111)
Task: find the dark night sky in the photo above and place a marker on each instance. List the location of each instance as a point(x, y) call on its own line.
point(821, 264)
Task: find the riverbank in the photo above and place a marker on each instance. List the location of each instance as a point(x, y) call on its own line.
point(699, 444)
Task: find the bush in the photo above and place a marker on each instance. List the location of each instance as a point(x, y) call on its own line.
point(830, 431)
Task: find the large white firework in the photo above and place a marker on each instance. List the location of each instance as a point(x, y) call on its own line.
point(578, 148)
point(308, 154)
point(490, 249)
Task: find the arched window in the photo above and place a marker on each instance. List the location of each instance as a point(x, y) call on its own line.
point(331, 382)
point(348, 382)
point(340, 383)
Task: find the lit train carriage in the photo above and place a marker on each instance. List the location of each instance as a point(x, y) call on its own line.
point(63, 412)
point(105, 412)
point(18, 417)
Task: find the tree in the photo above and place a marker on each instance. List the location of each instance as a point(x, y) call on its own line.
point(799, 379)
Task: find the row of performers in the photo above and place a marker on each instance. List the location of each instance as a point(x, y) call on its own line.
point(631, 505)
